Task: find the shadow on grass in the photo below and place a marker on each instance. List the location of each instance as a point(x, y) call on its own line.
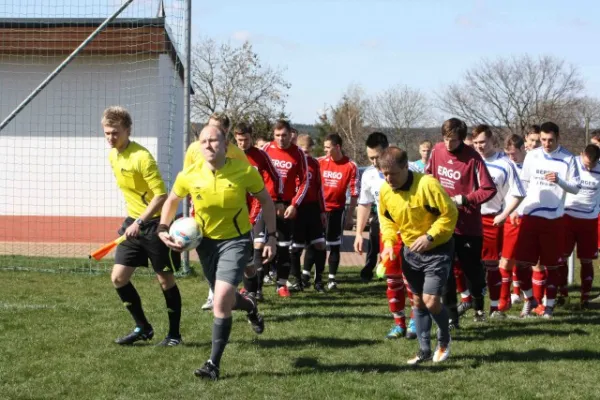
point(308, 365)
point(336, 315)
point(318, 342)
point(500, 333)
point(534, 355)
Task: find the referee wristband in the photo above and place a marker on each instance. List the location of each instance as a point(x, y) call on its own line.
point(162, 228)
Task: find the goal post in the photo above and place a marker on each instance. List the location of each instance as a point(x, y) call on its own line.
point(61, 64)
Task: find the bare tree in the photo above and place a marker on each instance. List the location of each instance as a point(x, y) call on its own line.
point(233, 80)
point(399, 109)
point(514, 92)
point(347, 118)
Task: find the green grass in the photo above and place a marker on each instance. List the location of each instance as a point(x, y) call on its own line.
point(57, 331)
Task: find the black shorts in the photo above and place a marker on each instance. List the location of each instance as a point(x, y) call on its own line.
point(308, 228)
point(335, 226)
point(259, 230)
point(136, 252)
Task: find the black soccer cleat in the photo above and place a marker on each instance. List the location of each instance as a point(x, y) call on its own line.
point(208, 371)
point(135, 336)
point(170, 342)
point(319, 287)
point(257, 321)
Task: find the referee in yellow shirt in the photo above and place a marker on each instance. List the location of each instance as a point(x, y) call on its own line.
point(142, 186)
point(193, 155)
point(416, 205)
point(218, 188)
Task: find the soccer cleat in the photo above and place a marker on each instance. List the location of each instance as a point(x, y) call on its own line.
point(208, 371)
point(243, 291)
point(419, 358)
point(257, 321)
point(584, 305)
point(396, 332)
point(268, 280)
point(366, 275)
point(170, 342)
point(540, 310)
point(548, 312)
point(305, 280)
point(528, 307)
point(331, 285)
point(411, 331)
point(499, 315)
point(442, 352)
point(319, 287)
point(208, 305)
point(479, 316)
point(463, 307)
point(295, 287)
point(515, 299)
point(283, 291)
point(135, 336)
point(259, 295)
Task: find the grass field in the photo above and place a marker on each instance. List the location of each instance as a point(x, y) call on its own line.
point(57, 330)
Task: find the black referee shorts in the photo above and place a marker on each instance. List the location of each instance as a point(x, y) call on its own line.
point(135, 252)
point(308, 228)
point(335, 226)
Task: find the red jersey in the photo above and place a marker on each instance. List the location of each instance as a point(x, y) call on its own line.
point(337, 177)
point(315, 189)
point(291, 165)
point(262, 162)
point(463, 172)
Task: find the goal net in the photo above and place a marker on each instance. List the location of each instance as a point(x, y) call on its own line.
point(58, 196)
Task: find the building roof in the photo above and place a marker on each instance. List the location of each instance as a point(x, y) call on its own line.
point(54, 37)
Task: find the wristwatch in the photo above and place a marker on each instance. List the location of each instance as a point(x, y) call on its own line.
point(139, 221)
point(429, 237)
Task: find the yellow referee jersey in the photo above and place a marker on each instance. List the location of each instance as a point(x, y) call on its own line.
point(421, 207)
point(219, 197)
point(138, 177)
point(194, 154)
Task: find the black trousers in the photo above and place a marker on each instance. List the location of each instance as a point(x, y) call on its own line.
point(467, 249)
point(372, 245)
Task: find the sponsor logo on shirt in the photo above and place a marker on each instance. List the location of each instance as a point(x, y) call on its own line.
point(282, 164)
point(449, 173)
point(332, 175)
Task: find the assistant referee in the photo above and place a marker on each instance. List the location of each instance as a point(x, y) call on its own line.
point(416, 205)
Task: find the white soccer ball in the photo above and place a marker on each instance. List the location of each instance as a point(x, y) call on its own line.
point(185, 232)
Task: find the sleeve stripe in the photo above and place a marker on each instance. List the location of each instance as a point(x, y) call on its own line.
point(300, 196)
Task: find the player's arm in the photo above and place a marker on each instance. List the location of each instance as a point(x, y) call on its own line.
point(438, 200)
point(389, 228)
point(270, 170)
point(571, 183)
point(517, 194)
point(256, 187)
point(169, 210)
point(155, 183)
point(486, 188)
point(354, 191)
point(302, 186)
point(430, 167)
point(365, 201)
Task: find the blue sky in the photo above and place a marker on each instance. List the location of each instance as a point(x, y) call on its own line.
point(327, 45)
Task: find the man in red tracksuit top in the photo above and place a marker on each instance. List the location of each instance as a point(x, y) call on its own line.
point(263, 164)
point(290, 163)
point(338, 175)
point(464, 176)
point(309, 231)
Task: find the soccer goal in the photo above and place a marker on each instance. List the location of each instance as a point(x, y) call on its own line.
point(62, 62)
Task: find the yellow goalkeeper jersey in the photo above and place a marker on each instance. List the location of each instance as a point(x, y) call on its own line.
point(420, 207)
point(138, 177)
point(219, 197)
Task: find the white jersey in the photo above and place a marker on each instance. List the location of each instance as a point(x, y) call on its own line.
point(370, 183)
point(546, 199)
point(507, 181)
point(586, 203)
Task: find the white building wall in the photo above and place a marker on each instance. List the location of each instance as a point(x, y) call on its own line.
point(53, 156)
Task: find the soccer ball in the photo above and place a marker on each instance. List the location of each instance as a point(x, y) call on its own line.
point(185, 232)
